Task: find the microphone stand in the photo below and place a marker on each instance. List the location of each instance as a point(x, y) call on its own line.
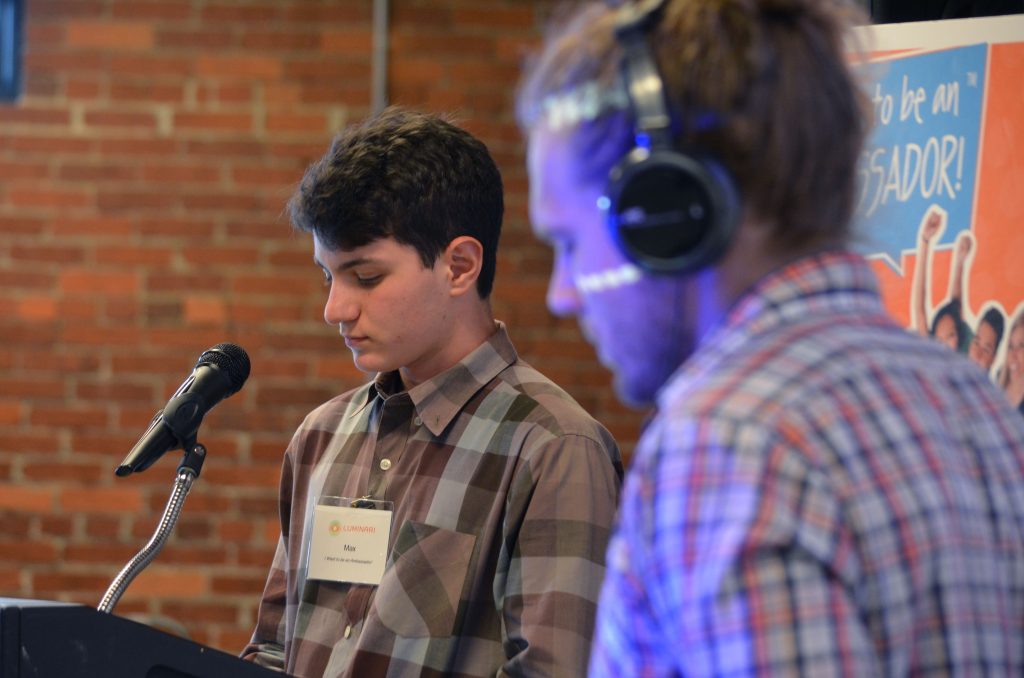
point(188, 471)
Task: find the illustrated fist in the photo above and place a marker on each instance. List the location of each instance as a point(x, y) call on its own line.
point(932, 226)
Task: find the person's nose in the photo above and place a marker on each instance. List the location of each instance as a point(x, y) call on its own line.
point(563, 297)
point(340, 307)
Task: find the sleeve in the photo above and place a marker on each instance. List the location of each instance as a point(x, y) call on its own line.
point(267, 646)
point(628, 641)
point(730, 558)
point(559, 518)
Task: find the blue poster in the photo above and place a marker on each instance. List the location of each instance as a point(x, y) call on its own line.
point(923, 150)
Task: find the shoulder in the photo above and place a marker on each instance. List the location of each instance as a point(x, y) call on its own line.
point(767, 374)
point(329, 413)
point(838, 383)
point(339, 415)
point(542, 409)
point(542, 401)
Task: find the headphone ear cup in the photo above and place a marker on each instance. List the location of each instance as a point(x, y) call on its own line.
point(670, 212)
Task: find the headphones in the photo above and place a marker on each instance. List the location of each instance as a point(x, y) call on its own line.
point(669, 212)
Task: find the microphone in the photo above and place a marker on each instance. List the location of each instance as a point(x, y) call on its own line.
point(219, 373)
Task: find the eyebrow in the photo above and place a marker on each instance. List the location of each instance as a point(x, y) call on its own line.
point(348, 264)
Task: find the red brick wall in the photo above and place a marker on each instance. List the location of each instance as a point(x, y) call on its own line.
point(142, 181)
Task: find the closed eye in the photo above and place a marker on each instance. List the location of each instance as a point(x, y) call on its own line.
point(368, 281)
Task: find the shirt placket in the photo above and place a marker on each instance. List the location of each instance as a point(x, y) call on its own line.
point(392, 437)
point(392, 424)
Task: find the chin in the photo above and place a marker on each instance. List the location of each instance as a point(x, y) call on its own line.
point(637, 384)
point(369, 366)
point(634, 393)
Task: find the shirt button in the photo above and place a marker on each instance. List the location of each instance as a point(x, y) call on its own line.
point(348, 630)
point(385, 464)
point(417, 421)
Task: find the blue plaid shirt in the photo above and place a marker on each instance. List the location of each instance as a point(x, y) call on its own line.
point(821, 493)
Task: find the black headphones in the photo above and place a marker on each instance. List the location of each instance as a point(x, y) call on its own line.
point(669, 212)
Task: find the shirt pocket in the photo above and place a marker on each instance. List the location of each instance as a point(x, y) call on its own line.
point(420, 592)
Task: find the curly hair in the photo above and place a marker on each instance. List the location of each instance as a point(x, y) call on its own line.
point(405, 175)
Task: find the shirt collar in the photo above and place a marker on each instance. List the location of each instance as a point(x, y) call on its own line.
point(811, 287)
point(804, 289)
point(439, 399)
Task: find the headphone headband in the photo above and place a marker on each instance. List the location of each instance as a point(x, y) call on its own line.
point(640, 73)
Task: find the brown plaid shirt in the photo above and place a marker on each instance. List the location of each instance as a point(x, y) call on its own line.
point(504, 494)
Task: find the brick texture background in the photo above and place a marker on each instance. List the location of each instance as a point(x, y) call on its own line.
point(142, 182)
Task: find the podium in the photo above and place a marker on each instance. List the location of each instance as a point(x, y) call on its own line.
point(46, 639)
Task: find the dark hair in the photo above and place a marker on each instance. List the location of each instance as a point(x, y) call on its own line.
point(763, 86)
point(994, 317)
point(952, 308)
point(405, 175)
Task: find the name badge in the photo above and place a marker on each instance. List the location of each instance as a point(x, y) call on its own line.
point(349, 540)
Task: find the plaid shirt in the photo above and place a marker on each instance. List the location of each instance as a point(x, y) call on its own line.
point(504, 494)
point(821, 493)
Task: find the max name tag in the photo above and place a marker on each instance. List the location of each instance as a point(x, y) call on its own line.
point(349, 544)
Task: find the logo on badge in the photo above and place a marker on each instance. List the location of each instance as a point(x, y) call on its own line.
point(334, 528)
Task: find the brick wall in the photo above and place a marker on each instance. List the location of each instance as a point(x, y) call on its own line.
point(142, 181)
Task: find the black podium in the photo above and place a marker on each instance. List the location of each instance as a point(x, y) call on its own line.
point(45, 639)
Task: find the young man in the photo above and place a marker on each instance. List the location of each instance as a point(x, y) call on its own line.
point(451, 516)
point(820, 492)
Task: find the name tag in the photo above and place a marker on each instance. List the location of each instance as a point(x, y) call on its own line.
point(347, 543)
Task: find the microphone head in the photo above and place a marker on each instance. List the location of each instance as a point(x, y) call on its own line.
point(232, 360)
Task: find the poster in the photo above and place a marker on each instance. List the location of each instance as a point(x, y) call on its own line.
point(940, 212)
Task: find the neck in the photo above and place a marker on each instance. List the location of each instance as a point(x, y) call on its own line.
point(753, 254)
point(471, 324)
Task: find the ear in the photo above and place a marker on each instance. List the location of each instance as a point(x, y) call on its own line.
point(464, 257)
